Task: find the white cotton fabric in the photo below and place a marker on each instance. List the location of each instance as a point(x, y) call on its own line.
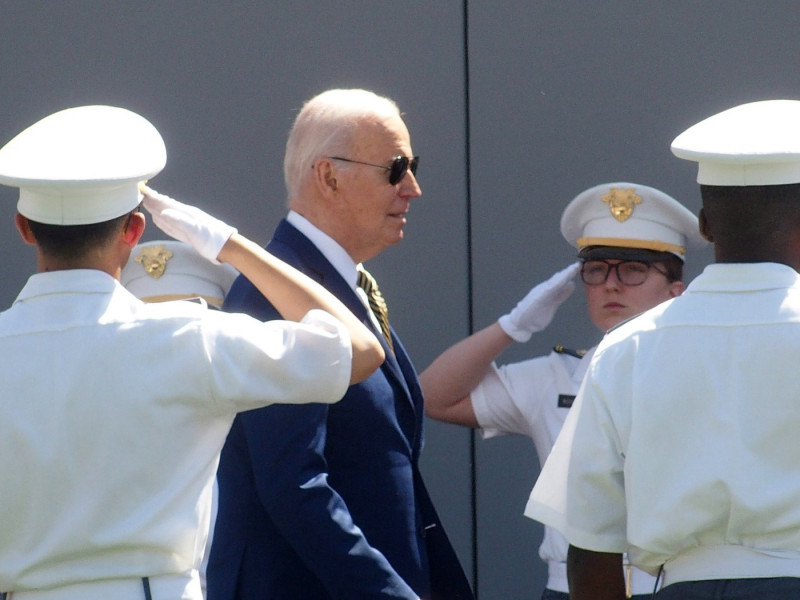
point(522, 398)
point(113, 416)
point(684, 436)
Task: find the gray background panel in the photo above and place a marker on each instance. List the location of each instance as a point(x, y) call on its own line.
point(515, 107)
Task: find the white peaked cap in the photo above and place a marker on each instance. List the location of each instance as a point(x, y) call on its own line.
point(82, 165)
point(630, 215)
point(170, 270)
point(751, 144)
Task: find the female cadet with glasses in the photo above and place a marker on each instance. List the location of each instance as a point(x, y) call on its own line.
point(632, 242)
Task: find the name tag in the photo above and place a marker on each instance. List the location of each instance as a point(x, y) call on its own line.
point(565, 401)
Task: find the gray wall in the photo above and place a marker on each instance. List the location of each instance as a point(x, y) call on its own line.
point(515, 107)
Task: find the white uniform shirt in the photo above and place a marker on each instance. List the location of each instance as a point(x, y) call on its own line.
point(684, 437)
point(532, 398)
point(113, 414)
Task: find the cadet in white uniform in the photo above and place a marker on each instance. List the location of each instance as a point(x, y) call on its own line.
point(684, 437)
point(114, 411)
point(632, 242)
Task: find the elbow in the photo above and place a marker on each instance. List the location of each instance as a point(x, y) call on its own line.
point(436, 405)
point(376, 358)
point(366, 361)
point(434, 413)
point(445, 414)
point(449, 409)
point(433, 410)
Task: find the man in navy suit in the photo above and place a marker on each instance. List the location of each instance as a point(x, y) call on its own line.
point(319, 502)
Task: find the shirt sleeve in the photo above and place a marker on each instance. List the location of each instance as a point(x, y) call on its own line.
point(507, 398)
point(254, 363)
point(580, 491)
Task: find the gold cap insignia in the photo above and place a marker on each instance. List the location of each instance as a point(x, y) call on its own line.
point(154, 260)
point(621, 202)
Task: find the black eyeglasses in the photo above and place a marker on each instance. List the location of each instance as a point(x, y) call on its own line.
point(629, 272)
point(397, 170)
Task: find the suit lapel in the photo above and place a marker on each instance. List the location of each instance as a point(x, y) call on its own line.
point(313, 263)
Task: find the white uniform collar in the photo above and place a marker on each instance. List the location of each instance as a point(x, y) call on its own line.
point(720, 277)
point(68, 281)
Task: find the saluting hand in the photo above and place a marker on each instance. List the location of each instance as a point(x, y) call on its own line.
point(535, 311)
point(186, 223)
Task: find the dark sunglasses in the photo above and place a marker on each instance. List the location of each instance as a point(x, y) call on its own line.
point(397, 170)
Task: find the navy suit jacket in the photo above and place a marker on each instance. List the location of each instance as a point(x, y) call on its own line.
point(327, 501)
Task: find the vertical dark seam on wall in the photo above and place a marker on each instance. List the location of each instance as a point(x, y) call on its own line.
point(470, 291)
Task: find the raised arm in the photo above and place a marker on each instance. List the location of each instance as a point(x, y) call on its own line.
point(292, 293)
point(449, 380)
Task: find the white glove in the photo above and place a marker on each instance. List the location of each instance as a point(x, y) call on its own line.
point(535, 311)
point(189, 224)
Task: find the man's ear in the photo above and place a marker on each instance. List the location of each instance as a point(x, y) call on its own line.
point(134, 228)
point(325, 176)
point(705, 230)
point(24, 228)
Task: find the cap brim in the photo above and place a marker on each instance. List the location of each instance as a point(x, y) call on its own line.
point(618, 253)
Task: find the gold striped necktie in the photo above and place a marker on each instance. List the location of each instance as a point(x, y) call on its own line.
point(376, 302)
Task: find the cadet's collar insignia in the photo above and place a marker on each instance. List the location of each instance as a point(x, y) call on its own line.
point(565, 400)
point(621, 202)
point(154, 260)
point(562, 350)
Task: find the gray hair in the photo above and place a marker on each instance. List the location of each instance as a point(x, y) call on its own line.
point(325, 127)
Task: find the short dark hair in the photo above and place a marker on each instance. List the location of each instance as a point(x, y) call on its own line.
point(74, 241)
point(750, 222)
point(674, 268)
